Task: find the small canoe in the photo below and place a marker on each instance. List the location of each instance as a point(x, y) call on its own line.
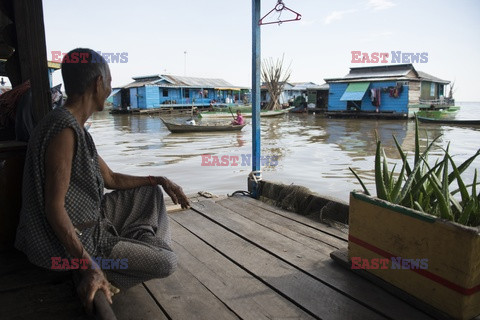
point(180, 128)
point(450, 121)
point(227, 114)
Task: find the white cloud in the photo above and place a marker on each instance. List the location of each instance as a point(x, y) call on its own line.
point(337, 15)
point(380, 4)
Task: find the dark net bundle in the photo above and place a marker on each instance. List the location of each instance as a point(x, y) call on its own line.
point(303, 201)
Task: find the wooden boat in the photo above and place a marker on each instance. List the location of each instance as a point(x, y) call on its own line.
point(180, 128)
point(450, 121)
point(439, 113)
point(228, 114)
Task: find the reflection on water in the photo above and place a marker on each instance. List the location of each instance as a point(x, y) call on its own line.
point(312, 151)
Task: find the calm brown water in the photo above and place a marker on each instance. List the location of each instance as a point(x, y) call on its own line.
point(312, 151)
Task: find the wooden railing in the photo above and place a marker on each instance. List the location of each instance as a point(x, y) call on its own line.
point(443, 102)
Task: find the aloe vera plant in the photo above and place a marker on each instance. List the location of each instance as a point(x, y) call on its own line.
point(428, 188)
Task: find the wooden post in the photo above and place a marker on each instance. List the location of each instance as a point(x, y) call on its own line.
point(256, 65)
point(33, 53)
point(103, 310)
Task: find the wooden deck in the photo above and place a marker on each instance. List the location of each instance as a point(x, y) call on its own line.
point(242, 259)
point(30, 292)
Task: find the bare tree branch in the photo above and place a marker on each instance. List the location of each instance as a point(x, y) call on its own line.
point(274, 76)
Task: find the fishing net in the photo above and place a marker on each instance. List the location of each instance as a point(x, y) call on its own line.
point(303, 201)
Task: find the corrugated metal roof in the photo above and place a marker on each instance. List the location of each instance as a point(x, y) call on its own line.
point(197, 82)
point(426, 76)
point(379, 73)
point(387, 72)
point(300, 86)
point(137, 84)
point(181, 82)
point(302, 83)
point(305, 86)
point(324, 86)
point(149, 77)
point(373, 79)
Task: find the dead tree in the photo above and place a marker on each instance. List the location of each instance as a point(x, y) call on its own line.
point(452, 90)
point(274, 76)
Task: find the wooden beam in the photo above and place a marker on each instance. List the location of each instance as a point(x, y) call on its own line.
point(103, 310)
point(33, 53)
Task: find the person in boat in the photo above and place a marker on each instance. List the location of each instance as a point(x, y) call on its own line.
point(238, 119)
point(65, 214)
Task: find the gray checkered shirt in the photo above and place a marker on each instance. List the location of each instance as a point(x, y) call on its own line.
point(35, 237)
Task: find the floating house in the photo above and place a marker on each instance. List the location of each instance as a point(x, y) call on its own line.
point(157, 91)
point(396, 91)
point(312, 92)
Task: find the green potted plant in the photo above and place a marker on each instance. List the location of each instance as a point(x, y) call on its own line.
point(423, 226)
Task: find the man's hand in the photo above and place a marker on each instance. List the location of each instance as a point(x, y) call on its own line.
point(93, 280)
point(174, 191)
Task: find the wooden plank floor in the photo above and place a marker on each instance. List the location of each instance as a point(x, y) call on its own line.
point(242, 259)
point(30, 292)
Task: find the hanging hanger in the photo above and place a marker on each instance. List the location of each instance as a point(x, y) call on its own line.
point(279, 7)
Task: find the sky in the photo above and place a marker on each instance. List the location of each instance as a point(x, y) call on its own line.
point(212, 38)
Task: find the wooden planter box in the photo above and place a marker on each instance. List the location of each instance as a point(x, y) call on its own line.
point(451, 281)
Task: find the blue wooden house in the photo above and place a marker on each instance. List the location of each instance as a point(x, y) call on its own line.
point(391, 91)
point(156, 91)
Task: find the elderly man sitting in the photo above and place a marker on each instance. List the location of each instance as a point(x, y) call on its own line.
point(65, 214)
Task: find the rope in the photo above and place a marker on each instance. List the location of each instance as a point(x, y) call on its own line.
point(241, 192)
point(253, 175)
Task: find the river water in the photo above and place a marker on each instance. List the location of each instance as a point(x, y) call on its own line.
point(312, 151)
